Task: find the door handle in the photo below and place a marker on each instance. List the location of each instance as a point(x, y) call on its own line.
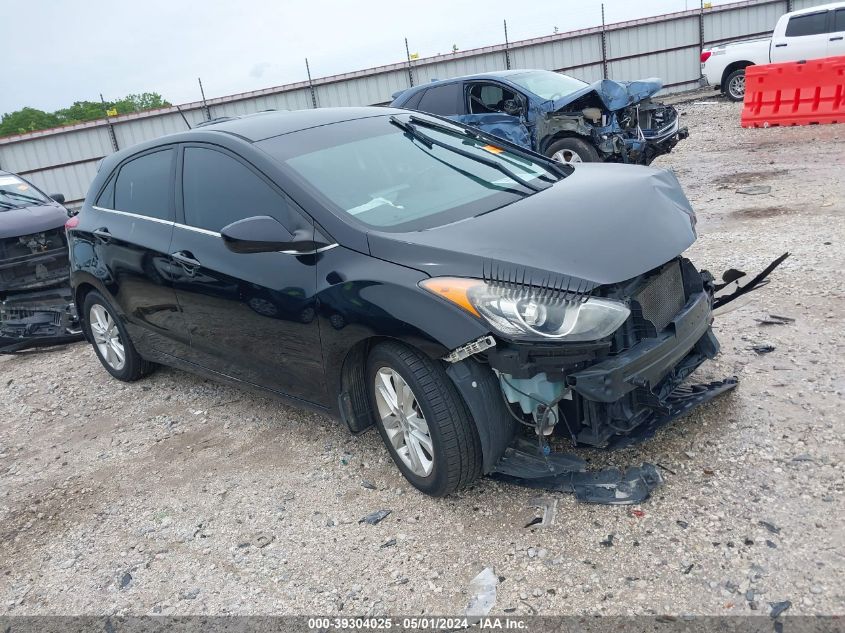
point(779, 45)
point(186, 259)
point(103, 234)
point(833, 39)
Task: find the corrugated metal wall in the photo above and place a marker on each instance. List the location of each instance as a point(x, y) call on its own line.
point(65, 159)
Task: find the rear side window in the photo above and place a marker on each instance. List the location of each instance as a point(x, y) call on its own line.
point(414, 102)
point(106, 199)
point(839, 21)
point(143, 185)
point(443, 100)
point(218, 190)
point(811, 24)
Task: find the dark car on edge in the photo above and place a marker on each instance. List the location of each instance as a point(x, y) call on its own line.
point(557, 115)
point(455, 290)
point(35, 303)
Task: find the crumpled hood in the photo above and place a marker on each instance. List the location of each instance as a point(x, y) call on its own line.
point(28, 220)
point(614, 94)
point(605, 223)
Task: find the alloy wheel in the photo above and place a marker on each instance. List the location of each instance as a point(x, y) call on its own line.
point(737, 87)
point(404, 422)
point(107, 337)
point(567, 156)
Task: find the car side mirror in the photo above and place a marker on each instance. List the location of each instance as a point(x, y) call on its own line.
point(58, 197)
point(263, 234)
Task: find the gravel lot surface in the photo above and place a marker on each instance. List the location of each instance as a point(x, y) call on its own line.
point(175, 495)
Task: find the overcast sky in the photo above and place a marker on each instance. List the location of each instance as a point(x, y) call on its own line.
point(56, 52)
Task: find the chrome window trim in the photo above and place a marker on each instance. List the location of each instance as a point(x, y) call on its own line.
point(134, 215)
point(196, 229)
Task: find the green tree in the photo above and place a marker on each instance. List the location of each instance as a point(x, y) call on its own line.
point(81, 111)
point(30, 119)
point(27, 120)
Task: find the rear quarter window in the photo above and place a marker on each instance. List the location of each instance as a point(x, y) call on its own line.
point(812, 24)
point(442, 100)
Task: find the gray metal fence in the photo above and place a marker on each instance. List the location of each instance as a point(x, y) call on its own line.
point(667, 46)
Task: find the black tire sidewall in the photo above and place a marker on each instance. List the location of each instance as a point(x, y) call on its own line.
point(727, 90)
point(386, 356)
point(131, 368)
point(587, 152)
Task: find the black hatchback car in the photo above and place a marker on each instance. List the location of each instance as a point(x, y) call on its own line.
point(398, 269)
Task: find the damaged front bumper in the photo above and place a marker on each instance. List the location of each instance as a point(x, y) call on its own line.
point(657, 132)
point(38, 319)
point(606, 394)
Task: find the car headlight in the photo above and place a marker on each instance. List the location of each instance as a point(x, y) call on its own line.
point(525, 311)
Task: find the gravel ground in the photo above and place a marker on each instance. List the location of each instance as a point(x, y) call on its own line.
point(175, 495)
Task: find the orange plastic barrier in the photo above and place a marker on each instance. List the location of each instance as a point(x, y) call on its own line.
point(795, 93)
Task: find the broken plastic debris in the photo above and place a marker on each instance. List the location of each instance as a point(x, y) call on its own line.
point(722, 297)
point(778, 608)
point(771, 527)
point(754, 190)
point(549, 508)
point(775, 319)
point(369, 485)
point(763, 349)
point(374, 517)
point(482, 590)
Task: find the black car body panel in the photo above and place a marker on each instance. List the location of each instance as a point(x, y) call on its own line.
point(299, 324)
point(584, 231)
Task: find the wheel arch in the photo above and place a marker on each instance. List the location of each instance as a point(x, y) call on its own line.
point(558, 136)
point(738, 65)
point(353, 400)
point(84, 284)
point(475, 383)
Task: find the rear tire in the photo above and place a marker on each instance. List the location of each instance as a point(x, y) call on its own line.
point(110, 340)
point(429, 415)
point(735, 85)
point(572, 151)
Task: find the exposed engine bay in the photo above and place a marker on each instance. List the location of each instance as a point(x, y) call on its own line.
point(36, 304)
point(609, 393)
point(637, 132)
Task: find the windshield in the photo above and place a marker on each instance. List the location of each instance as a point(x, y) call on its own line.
point(546, 84)
point(390, 178)
point(15, 193)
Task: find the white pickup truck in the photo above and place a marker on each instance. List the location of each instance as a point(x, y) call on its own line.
point(807, 34)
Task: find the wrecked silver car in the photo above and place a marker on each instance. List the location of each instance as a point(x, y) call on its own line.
point(557, 115)
point(36, 306)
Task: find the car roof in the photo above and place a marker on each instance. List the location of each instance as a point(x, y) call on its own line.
point(494, 74)
point(264, 125)
point(819, 8)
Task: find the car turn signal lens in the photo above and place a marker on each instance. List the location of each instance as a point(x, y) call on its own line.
point(705, 55)
point(453, 289)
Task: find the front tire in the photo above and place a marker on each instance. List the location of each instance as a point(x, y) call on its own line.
point(423, 420)
point(735, 85)
point(572, 151)
point(111, 342)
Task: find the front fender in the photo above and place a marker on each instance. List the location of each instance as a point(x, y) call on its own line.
point(362, 298)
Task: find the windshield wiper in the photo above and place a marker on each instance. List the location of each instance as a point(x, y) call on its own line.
point(429, 142)
point(549, 164)
point(8, 205)
point(22, 196)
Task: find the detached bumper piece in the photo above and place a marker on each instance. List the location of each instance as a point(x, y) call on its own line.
point(38, 319)
point(524, 465)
